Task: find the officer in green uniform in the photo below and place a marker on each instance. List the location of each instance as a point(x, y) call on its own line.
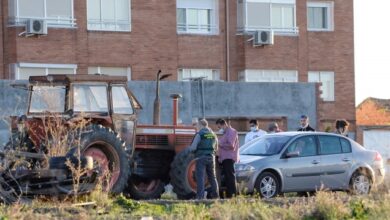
point(205, 146)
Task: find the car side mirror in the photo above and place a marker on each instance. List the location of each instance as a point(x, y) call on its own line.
point(292, 154)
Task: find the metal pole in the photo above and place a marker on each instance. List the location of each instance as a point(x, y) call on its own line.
point(156, 105)
point(227, 20)
point(175, 98)
point(203, 108)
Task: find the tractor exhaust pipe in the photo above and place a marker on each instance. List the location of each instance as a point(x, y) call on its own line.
point(175, 98)
point(156, 105)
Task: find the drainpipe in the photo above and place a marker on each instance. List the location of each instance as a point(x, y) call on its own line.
point(227, 22)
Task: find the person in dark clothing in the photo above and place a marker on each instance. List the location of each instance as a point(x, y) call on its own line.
point(342, 127)
point(305, 124)
point(228, 155)
point(273, 127)
point(205, 145)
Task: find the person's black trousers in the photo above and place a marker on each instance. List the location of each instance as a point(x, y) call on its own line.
point(230, 177)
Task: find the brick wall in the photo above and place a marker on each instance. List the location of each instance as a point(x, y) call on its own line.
point(153, 44)
point(371, 113)
point(1, 43)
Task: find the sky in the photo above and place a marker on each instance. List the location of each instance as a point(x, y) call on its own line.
point(372, 49)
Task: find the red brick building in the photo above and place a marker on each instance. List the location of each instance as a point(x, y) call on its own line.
point(312, 42)
point(373, 118)
point(373, 111)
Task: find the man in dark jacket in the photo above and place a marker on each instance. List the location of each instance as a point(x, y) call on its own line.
point(205, 145)
point(305, 124)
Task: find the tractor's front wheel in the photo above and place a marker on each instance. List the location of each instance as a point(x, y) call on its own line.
point(105, 148)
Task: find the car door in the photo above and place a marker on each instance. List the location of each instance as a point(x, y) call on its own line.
point(123, 115)
point(302, 172)
point(336, 161)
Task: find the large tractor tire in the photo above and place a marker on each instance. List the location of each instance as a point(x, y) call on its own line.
point(105, 147)
point(143, 189)
point(182, 175)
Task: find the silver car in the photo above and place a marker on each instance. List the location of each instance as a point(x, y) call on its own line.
point(306, 162)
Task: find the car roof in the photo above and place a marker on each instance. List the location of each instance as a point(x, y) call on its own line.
point(70, 78)
point(300, 133)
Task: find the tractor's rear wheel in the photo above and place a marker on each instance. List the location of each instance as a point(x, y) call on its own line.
point(105, 148)
point(182, 175)
point(144, 188)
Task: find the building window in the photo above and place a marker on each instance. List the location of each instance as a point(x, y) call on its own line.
point(197, 17)
point(111, 71)
point(57, 13)
point(22, 71)
point(268, 76)
point(207, 74)
point(109, 15)
point(320, 16)
point(276, 15)
point(327, 80)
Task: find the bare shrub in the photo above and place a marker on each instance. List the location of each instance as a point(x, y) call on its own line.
point(329, 205)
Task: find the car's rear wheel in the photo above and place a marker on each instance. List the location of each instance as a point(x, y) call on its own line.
point(360, 183)
point(267, 185)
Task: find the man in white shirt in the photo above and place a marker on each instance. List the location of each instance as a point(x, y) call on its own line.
point(255, 132)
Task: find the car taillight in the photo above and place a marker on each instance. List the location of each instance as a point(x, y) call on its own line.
point(378, 157)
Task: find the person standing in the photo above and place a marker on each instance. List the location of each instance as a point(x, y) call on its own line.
point(305, 124)
point(255, 132)
point(273, 127)
point(342, 127)
point(205, 145)
point(228, 145)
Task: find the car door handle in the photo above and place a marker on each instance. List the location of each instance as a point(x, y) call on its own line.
point(315, 162)
point(346, 159)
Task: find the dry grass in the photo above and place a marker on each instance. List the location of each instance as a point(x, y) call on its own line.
point(324, 205)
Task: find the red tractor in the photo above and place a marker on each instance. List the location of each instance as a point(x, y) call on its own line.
point(141, 159)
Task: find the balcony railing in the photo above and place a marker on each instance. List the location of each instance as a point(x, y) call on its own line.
point(276, 30)
point(51, 21)
point(197, 29)
point(109, 25)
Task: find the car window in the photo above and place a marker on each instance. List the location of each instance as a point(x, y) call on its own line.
point(345, 145)
point(265, 145)
point(306, 146)
point(330, 145)
point(120, 101)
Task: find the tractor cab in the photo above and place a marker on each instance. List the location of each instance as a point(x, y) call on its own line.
point(105, 100)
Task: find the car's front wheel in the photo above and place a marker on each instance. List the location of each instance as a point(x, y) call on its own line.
point(267, 185)
point(360, 183)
